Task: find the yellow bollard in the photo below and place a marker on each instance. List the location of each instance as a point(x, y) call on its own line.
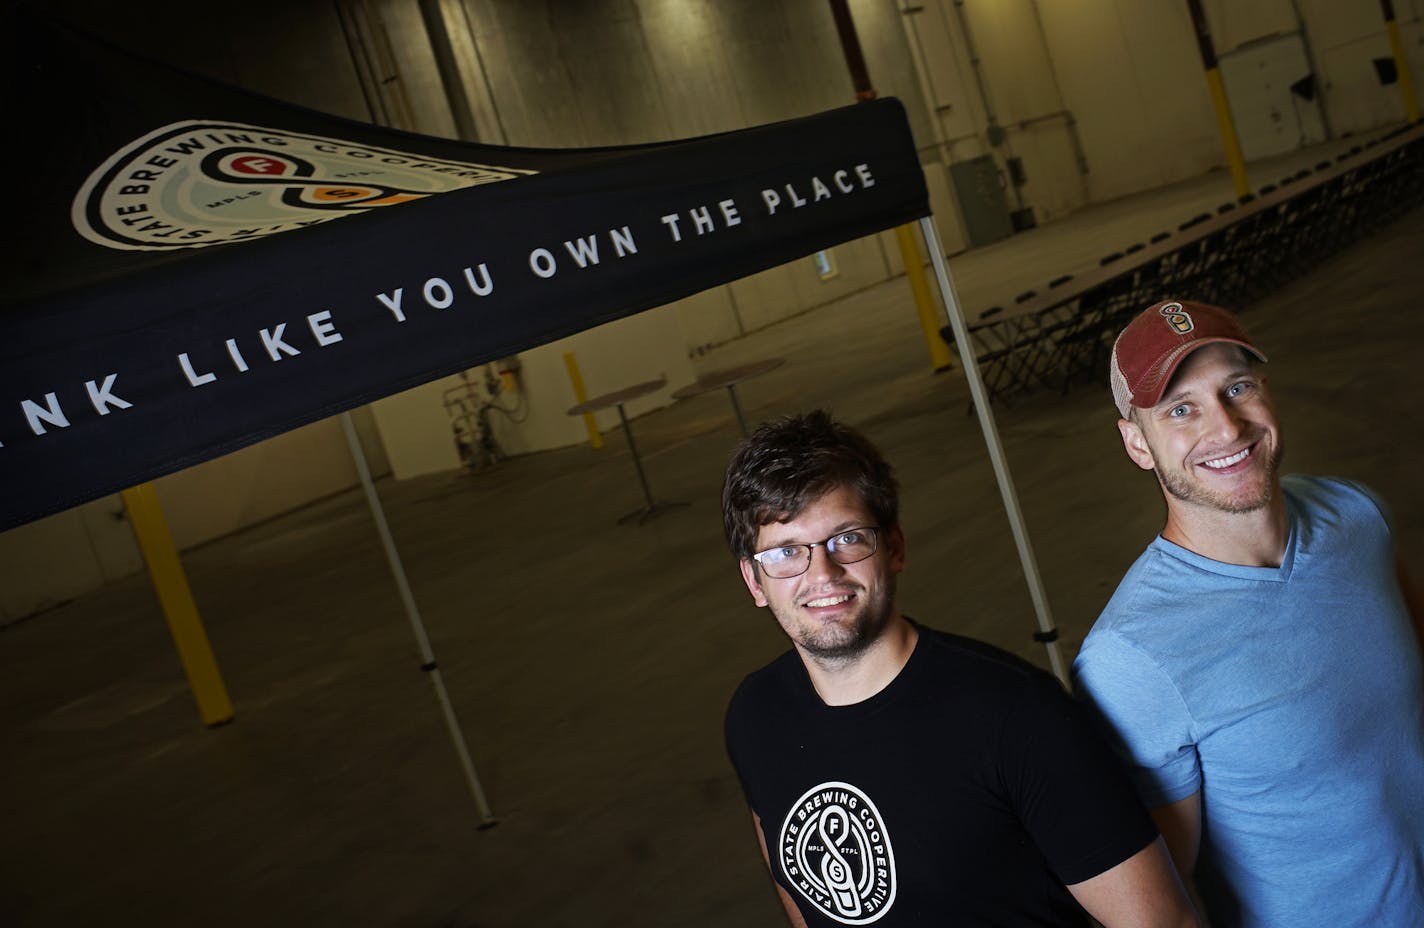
point(940, 357)
point(595, 437)
point(1228, 132)
point(176, 599)
point(1219, 102)
point(1401, 66)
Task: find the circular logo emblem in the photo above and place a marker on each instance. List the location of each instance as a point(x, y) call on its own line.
point(197, 183)
point(836, 852)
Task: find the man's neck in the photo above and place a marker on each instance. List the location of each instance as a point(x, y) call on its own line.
point(855, 679)
point(1247, 539)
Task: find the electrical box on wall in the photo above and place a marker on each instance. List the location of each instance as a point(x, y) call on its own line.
point(979, 189)
point(508, 370)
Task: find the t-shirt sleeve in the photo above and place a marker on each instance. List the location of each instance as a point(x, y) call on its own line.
point(1144, 717)
point(1384, 511)
point(735, 733)
point(1068, 789)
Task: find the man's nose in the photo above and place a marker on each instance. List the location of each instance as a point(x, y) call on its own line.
point(823, 566)
point(1225, 421)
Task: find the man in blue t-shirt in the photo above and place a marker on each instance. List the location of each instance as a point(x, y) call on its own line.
point(1259, 666)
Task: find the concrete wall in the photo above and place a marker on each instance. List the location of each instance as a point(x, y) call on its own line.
point(1130, 75)
point(56, 559)
point(1095, 98)
point(256, 483)
point(1345, 38)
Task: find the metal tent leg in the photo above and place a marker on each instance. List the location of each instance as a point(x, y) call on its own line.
point(1047, 634)
point(427, 656)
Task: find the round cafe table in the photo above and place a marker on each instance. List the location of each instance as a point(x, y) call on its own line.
point(729, 378)
point(651, 506)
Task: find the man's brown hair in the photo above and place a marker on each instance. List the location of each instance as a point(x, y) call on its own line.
point(791, 462)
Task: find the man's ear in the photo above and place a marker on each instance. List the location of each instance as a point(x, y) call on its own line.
point(895, 545)
point(749, 577)
point(1135, 444)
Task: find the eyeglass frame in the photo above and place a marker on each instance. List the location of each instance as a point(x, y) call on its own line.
point(810, 547)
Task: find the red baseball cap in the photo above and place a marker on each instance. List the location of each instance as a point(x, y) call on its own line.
point(1148, 351)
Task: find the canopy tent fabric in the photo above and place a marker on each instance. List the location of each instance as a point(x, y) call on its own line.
point(198, 267)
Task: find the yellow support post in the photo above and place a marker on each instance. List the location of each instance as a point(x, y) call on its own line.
point(1401, 63)
point(940, 357)
point(595, 437)
point(1218, 99)
point(905, 235)
point(1228, 132)
point(176, 599)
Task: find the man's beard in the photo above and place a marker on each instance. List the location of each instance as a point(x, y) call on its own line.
point(1182, 487)
point(841, 642)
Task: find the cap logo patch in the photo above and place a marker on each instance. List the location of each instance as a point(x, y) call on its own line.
point(1177, 318)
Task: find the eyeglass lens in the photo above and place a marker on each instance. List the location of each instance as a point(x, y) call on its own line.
point(846, 547)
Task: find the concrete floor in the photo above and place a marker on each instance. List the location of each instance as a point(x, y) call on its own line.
point(590, 662)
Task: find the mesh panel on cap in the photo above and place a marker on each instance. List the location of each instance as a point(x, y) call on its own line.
point(1122, 396)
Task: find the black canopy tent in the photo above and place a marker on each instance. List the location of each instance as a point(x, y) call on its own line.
point(197, 268)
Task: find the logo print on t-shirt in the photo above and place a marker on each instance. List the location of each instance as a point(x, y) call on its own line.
point(835, 850)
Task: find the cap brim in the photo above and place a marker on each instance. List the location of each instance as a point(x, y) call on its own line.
point(1149, 393)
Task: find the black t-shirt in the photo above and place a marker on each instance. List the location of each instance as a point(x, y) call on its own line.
point(966, 792)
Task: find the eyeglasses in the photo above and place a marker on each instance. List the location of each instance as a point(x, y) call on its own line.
point(844, 547)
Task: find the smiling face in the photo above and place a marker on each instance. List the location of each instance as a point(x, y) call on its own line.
point(1213, 439)
point(832, 611)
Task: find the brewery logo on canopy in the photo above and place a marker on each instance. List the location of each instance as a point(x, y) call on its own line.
point(196, 183)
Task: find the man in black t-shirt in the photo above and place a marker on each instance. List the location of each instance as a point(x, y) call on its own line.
point(899, 775)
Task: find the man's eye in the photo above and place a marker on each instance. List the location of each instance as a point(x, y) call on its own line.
point(845, 539)
point(785, 554)
point(1177, 412)
point(1236, 389)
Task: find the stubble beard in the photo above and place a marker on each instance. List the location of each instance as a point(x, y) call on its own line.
point(841, 643)
point(1182, 488)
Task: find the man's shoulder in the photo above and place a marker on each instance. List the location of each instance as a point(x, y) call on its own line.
point(987, 674)
point(1312, 486)
point(767, 683)
point(1339, 494)
point(1150, 584)
point(974, 656)
point(1146, 615)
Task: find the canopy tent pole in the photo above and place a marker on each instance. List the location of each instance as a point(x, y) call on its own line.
point(427, 657)
point(1047, 634)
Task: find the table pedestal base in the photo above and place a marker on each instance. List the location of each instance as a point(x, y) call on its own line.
point(647, 512)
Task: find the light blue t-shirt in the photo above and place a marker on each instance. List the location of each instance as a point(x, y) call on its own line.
point(1292, 697)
